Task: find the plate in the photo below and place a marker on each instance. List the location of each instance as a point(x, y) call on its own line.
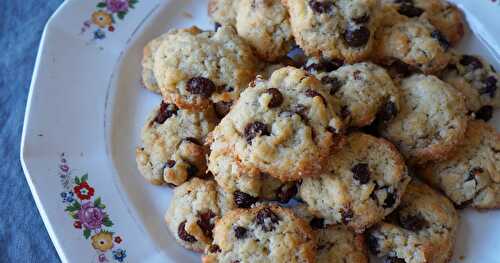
point(85, 110)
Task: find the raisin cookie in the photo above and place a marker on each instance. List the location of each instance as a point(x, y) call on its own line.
point(195, 68)
point(431, 121)
point(193, 210)
point(444, 16)
point(335, 243)
point(173, 149)
point(476, 79)
point(414, 41)
point(363, 183)
point(423, 229)
point(334, 29)
point(365, 90)
point(472, 175)
point(285, 126)
point(261, 234)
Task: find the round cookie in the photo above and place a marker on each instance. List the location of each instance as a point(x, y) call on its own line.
point(472, 175)
point(261, 234)
point(334, 29)
point(285, 126)
point(476, 79)
point(422, 229)
point(365, 90)
point(173, 149)
point(363, 183)
point(193, 210)
point(148, 77)
point(443, 15)
point(335, 243)
point(414, 41)
point(432, 119)
point(195, 68)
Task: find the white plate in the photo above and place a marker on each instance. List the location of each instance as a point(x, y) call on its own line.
point(86, 107)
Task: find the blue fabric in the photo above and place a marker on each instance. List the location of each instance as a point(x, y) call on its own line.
point(23, 237)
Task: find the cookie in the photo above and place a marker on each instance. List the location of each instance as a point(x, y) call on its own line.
point(472, 175)
point(223, 12)
point(193, 210)
point(423, 229)
point(363, 183)
point(365, 91)
point(476, 79)
point(415, 42)
point(432, 119)
point(173, 149)
point(247, 187)
point(285, 126)
point(443, 15)
point(148, 77)
point(334, 29)
point(335, 243)
point(196, 68)
point(261, 234)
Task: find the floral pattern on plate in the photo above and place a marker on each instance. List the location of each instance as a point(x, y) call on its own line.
point(89, 214)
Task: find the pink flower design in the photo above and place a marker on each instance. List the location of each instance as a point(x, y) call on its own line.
point(115, 6)
point(91, 217)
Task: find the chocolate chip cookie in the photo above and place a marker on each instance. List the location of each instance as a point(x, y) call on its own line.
point(285, 126)
point(363, 183)
point(172, 140)
point(261, 234)
point(432, 119)
point(472, 175)
point(423, 229)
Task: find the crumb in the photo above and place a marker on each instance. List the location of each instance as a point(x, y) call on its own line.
point(186, 14)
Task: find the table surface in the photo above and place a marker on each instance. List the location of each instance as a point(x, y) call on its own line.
point(23, 237)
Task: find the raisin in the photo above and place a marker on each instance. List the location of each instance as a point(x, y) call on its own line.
point(166, 111)
point(441, 39)
point(357, 37)
point(205, 223)
point(193, 140)
point(325, 65)
point(243, 200)
point(362, 19)
point(301, 110)
point(485, 113)
point(372, 243)
point(473, 173)
point(321, 7)
point(214, 249)
point(347, 215)
point(394, 260)
point(413, 223)
point(490, 86)
point(200, 86)
point(276, 98)
point(317, 223)
point(183, 235)
point(361, 173)
point(331, 130)
point(255, 129)
point(170, 163)
point(266, 218)
point(344, 112)
point(240, 232)
point(334, 83)
point(410, 10)
point(390, 200)
point(192, 170)
point(402, 69)
point(473, 62)
point(222, 108)
point(388, 111)
point(286, 192)
point(311, 93)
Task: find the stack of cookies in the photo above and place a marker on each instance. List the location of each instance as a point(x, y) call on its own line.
point(321, 130)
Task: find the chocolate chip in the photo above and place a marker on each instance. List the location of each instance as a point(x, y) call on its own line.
point(394, 260)
point(214, 249)
point(217, 26)
point(357, 37)
point(390, 200)
point(325, 65)
point(473, 62)
point(413, 223)
point(441, 39)
point(312, 93)
point(170, 163)
point(222, 108)
point(333, 83)
point(362, 19)
point(166, 111)
point(193, 140)
point(206, 223)
point(243, 200)
point(200, 86)
point(388, 111)
point(317, 223)
point(344, 112)
point(240, 232)
point(321, 7)
point(183, 235)
point(286, 192)
point(255, 129)
point(490, 86)
point(372, 243)
point(485, 113)
point(361, 173)
point(474, 172)
point(410, 10)
point(347, 215)
point(266, 218)
point(276, 98)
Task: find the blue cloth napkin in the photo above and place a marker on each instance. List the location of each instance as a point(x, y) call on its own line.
point(23, 237)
